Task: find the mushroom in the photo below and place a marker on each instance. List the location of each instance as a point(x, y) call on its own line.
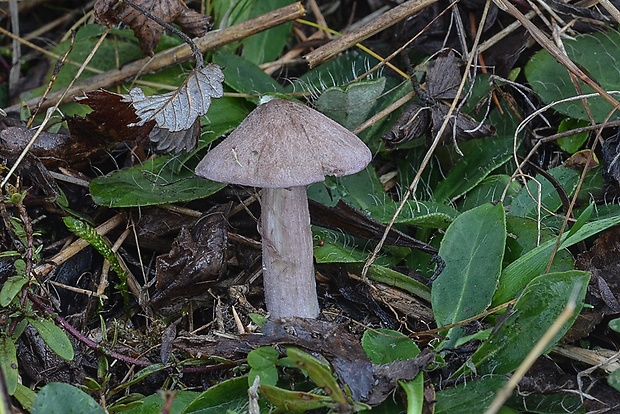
point(281, 147)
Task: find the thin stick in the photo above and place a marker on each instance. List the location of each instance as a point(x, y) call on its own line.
point(181, 53)
point(387, 19)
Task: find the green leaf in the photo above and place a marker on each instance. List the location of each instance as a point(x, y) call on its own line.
point(540, 192)
point(262, 362)
point(319, 373)
point(61, 398)
point(472, 249)
point(481, 156)
point(572, 143)
point(54, 337)
point(244, 76)
point(560, 403)
point(598, 54)
point(155, 182)
point(414, 390)
point(472, 396)
point(8, 363)
point(490, 190)
point(231, 394)
point(293, 402)
point(361, 190)
point(154, 403)
point(614, 325)
point(385, 345)
point(350, 105)
point(613, 380)
point(25, 396)
point(416, 213)
point(525, 234)
point(394, 278)
point(520, 272)
point(11, 287)
point(535, 311)
point(118, 48)
point(266, 46)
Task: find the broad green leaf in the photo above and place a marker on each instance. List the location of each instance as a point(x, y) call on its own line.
point(231, 394)
point(54, 337)
point(385, 345)
point(154, 403)
point(154, 182)
point(520, 272)
point(244, 76)
point(472, 249)
point(61, 398)
point(490, 190)
point(539, 193)
point(350, 105)
point(10, 288)
point(481, 156)
point(266, 46)
point(8, 363)
point(598, 54)
point(262, 362)
point(472, 396)
point(537, 308)
point(416, 213)
point(572, 143)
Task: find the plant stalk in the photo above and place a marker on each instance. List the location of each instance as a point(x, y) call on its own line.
point(288, 268)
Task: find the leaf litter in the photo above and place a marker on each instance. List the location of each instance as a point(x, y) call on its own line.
point(213, 263)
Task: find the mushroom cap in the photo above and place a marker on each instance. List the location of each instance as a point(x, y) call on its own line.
point(284, 144)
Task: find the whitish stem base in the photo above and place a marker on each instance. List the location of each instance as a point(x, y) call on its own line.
point(288, 268)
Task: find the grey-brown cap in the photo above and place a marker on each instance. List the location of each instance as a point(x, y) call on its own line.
point(283, 144)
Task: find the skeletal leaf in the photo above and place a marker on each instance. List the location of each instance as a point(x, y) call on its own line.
point(177, 110)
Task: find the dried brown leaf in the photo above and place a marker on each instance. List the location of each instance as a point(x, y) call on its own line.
point(110, 119)
point(147, 30)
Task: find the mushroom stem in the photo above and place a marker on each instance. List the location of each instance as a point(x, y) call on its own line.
point(288, 268)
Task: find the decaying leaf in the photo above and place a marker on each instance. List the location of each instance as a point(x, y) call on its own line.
point(195, 262)
point(110, 119)
point(442, 82)
point(178, 110)
point(147, 30)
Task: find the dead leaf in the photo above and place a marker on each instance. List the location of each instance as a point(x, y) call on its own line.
point(178, 110)
point(442, 83)
point(196, 261)
point(147, 30)
point(110, 119)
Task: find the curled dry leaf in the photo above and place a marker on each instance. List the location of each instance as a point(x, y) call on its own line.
point(147, 30)
point(177, 110)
